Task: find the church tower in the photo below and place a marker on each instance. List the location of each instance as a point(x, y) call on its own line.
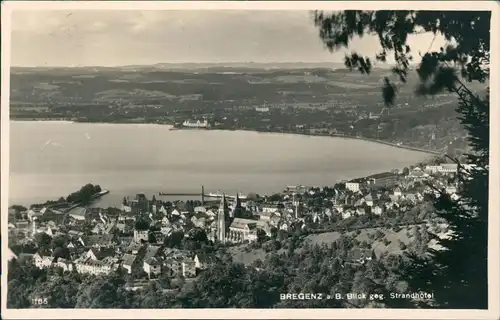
point(296, 204)
point(236, 212)
point(34, 226)
point(222, 219)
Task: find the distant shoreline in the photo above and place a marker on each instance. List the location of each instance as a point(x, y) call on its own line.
point(433, 152)
point(331, 136)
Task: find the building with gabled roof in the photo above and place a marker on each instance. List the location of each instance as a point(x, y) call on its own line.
point(96, 267)
point(152, 266)
point(128, 262)
point(188, 269)
point(43, 259)
point(99, 240)
point(449, 168)
point(151, 251)
point(204, 261)
point(79, 213)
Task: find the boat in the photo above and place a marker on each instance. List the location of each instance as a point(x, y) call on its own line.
point(214, 195)
point(103, 192)
point(100, 194)
point(218, 195)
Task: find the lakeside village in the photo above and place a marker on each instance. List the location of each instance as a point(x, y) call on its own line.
point(142, 237)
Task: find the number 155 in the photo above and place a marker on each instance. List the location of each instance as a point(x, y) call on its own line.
point(39, 301)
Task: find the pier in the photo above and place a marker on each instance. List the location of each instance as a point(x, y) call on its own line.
point(186, 194)
point(201, 194)
point(166, 194)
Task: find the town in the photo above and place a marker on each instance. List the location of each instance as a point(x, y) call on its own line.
point(345, 154)
point(156, 241)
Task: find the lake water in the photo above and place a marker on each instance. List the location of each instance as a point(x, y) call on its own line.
point(52, 159)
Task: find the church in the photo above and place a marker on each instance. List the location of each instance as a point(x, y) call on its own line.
point(230, 228)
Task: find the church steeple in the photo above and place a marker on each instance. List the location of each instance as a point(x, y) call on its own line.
point(34, 226)
point(238, 201)
point(221, 219)
point(236, 207)
point(223, 203)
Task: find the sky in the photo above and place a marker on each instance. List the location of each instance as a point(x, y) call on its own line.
point(116, 38)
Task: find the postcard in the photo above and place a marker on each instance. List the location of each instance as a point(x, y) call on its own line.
point(250, 159)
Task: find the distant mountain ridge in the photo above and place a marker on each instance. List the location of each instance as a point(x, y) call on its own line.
point(196, 67)
point(199, 66)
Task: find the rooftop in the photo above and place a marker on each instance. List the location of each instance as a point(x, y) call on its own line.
point(128, 259)
point(151, 251)
point(152, 261)
point(241, 223)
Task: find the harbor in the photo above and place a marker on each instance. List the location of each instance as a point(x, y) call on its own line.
point(202, 195)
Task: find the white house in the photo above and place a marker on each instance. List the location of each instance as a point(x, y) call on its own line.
point(433, 169)
point(200, 209)
point(43, 260)
point(152, 266)
point(352, 186)
point(449, 168)
point(196, 124)
point(397, 192)
point(140, 235)
point(270, 209)
point(188, 269)
point(377, 210)
point(203, 261)
point(95, 267)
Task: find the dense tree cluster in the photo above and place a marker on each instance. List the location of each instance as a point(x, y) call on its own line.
point(295, 268)
point(463, 60)
point(84, 195)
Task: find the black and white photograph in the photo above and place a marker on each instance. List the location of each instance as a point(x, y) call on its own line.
point(294, 158)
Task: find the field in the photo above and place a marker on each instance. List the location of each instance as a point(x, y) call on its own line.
point(377, 245)
point(301, 100)
point(88, 85)
point(404, 235)
point(247, 258)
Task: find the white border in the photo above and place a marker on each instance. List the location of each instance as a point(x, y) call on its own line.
point(494, 183)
